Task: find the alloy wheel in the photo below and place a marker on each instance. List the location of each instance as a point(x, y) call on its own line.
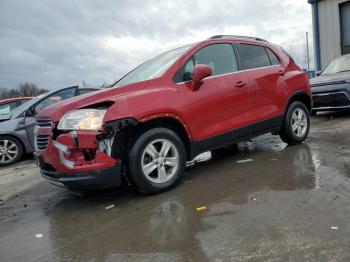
point(8, 151)
point(160, 161)
point(299, 122)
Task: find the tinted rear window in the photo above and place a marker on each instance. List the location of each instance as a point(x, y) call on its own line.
point(254, 56)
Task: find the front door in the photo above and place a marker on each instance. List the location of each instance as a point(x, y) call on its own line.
point(223, 101)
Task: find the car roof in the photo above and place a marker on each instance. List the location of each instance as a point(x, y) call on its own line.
point(8, 100)
point(238, 37)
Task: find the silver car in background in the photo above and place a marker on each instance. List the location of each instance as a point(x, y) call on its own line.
point(17, 128)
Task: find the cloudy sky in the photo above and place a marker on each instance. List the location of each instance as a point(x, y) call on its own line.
point(60, 43)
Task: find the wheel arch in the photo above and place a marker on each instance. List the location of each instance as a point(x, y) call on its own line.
point(18, 138)
point(172, 122)
point(300, 96)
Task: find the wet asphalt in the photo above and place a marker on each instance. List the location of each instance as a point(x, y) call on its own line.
point(286, 203)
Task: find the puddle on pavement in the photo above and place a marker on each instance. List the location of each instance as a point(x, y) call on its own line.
point(79, 227)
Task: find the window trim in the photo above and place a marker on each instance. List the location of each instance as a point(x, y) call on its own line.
point(240, 71)
point(241, 64)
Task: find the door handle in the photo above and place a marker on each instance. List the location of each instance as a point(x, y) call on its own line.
point(240, 84)
point(281, 72)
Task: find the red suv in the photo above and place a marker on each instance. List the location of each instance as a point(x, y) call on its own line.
point(171, 108)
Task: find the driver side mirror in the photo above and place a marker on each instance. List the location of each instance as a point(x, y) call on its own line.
point(200, 72)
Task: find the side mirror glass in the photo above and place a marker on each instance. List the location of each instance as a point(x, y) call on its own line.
point(200, 72)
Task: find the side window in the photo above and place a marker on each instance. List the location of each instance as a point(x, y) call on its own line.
point(254, 56)
point(7, 108)
point(188, 70)
point(220, 57)
point(54, 98)
point(273, 58)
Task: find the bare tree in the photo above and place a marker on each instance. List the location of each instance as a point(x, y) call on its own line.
point(30, 89)
point(24, 89)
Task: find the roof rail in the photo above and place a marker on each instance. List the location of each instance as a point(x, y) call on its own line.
point(238, 36)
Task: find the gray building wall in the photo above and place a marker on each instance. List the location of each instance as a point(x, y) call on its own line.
point(330, 31)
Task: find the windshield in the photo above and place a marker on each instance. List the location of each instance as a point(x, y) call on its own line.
point(341, 64)
point(153, 68)
point(19, 110)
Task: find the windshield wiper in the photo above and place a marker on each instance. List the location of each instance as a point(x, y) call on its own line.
point(343, 71)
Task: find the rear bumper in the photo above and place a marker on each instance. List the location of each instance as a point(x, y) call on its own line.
point(93, 179)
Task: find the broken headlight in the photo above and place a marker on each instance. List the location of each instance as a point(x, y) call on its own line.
point(82, 119)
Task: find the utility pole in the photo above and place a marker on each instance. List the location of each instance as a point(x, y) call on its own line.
point(307, 51)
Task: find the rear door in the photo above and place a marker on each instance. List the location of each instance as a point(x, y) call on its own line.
point(222, 102)
point(266, 79)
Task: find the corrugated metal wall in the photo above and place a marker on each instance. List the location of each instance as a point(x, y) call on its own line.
point(330, 30)
point(345, 27)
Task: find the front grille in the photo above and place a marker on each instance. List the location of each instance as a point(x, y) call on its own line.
point(41, 141)
point(331, 100)
point(44, 122)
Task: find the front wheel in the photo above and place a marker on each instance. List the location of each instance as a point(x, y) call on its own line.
point(296, 124)
point(157, 161)
point(11, 150)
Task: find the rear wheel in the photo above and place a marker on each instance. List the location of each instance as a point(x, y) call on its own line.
point(296, 124)
point(157, 160)
point(11, 150)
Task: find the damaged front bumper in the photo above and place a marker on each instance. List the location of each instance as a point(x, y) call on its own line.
point(80, 160)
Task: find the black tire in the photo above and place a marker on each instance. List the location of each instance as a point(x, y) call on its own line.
point(137, 155)
point(287, 134)
point(17, 157)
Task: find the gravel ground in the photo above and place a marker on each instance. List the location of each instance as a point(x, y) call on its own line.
point(18, 178)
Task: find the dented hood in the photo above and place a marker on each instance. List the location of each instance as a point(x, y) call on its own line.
point(56, 111)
